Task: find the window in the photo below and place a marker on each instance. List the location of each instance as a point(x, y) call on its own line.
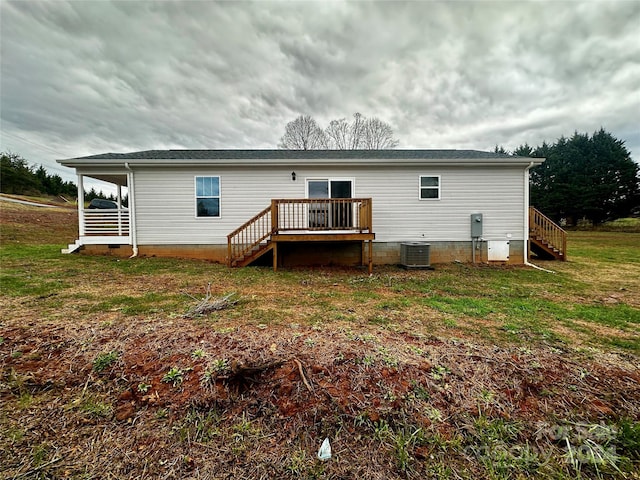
point(429, 187)
point(207, 196)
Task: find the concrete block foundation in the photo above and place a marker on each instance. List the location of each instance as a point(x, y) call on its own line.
point(318, 253)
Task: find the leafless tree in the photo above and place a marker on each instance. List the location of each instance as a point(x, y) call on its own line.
point(339, 134)
point(303, 133)
point(362, 133)
point(357, 129)
point(377, 135)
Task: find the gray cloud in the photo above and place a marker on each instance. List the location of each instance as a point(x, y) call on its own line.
point(89, 77)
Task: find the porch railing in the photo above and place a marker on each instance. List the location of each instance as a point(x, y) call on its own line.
point(105, 222)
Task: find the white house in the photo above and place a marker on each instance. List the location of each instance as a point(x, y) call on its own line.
point(316, 206)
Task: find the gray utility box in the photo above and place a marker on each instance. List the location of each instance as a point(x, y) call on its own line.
point(476, 225)
point(415, 255)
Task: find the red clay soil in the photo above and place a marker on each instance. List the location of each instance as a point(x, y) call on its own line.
point(277, 395)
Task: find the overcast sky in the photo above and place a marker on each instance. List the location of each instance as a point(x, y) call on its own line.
point(88, 77)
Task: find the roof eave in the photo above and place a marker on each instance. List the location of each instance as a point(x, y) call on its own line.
point(148, 162)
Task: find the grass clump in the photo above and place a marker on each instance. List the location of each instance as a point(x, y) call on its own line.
point(105, 360)
point(174, 376)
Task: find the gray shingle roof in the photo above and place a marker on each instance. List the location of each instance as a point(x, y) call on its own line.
point(298, 154)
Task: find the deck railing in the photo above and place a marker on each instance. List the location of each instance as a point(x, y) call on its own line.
point(541, 226)
point(105, 222)
point(322, 214)
point(298, 215)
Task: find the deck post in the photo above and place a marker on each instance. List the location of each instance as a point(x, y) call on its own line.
point(275, 256)
point(274, 216)
point(370, 257)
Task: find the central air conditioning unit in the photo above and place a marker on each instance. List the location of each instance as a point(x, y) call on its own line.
point(415, 255)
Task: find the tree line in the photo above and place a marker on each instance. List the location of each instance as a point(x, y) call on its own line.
point(590, 177)
point(20, 178)
point(361, 133)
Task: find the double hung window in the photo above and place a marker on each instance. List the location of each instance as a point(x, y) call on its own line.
point(207, 196)
point(429, 187)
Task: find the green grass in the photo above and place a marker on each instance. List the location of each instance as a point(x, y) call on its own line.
point(95, 408)
point(622, 225)
point(137, 305)
point(104, 360)
point(589, 297)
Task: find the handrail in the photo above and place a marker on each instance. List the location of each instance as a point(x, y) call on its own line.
point(542, 226)
point(249, 222)
point(249, 235)
point(298, 214)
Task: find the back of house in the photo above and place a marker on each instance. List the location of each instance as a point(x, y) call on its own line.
point(310, 207)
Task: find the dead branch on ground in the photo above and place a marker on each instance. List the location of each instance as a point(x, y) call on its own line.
point(208, 305)
point(302, 375)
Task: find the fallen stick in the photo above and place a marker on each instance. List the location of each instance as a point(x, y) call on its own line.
point(302, 375)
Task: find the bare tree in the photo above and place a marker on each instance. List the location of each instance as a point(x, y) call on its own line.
point(357, 129)
point(362, 133)
point(339, 134)
point(303, 133)
point(377, 135)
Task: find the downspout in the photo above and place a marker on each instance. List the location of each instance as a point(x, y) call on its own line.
point(132, 211)
point(526, 222)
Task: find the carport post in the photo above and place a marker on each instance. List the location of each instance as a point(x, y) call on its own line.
point(81, 204)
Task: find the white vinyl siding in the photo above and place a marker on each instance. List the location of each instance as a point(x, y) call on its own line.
point(165, 198)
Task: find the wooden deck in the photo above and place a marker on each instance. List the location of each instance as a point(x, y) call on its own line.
point(303, 220)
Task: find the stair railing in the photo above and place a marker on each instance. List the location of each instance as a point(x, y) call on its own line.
point(543, 227)
point(244, 239)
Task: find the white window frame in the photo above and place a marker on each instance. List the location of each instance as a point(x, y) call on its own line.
point(196, 197)
point(438, 188)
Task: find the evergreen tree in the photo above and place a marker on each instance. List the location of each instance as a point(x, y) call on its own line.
point(584, 176)
point(19, 178)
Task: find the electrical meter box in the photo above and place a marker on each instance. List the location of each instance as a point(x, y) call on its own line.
point(476, 225)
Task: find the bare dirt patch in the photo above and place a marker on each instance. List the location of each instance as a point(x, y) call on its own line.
point(33, 225)
point(259, 399)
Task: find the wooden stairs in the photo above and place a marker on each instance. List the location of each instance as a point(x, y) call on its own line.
point(252, 255)
point(546, 238)
point(251, 240)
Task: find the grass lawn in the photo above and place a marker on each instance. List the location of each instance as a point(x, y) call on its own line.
point(462, 372)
